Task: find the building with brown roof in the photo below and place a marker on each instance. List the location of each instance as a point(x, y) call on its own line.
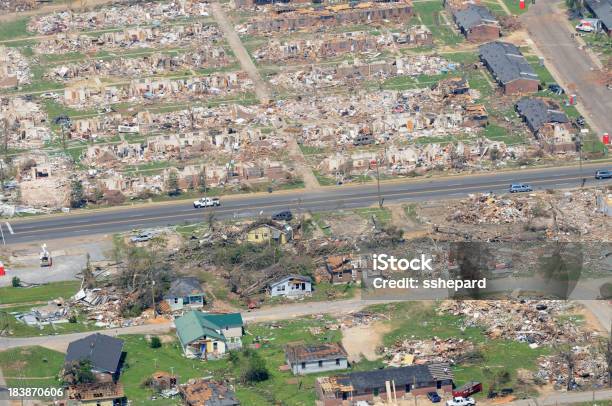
point(307, 359)
point(202, 392)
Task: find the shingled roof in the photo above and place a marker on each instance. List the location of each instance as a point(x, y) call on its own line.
point(319, 352)
point(602, 10)
point(506, 62)
point(103, 351)
point(186, 286)
point(195, 325)
point(472, 16)
point(537, 113)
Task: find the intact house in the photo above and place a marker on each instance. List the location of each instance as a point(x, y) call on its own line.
point(509, 67)
point(104, 353)
point(549, 124)
point(602, 10)
point(96, 394)
point(268, 233)
point(185, 293)
point(340, 269)
point(291, 286)
point(305, 359)
point(365, 386)
point(477, 23)
point(209, 336)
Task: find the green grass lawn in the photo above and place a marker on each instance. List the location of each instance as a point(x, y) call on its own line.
point(430, 14)
point(11, 295)
point(14, 29)
point(39, 364)
point(497, 133)
point(513, 5)
point(16, 328)
point(382, 216)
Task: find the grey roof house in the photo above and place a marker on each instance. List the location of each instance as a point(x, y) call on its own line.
point(536, 113)
point(104, 353)
point(185, 292)
point(507, 65)
point(602, 9)
point(305, 359)
point(473, 16)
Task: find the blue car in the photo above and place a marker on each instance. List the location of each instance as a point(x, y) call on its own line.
point(520, 187)
point(603, 174)
point(434, 397)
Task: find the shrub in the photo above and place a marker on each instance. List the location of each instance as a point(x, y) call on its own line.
point(155, 342)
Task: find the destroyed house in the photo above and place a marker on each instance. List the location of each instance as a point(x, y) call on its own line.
point(537, 113)
point(104, 352)
point(209, 336)
point(365, 386)
point(202, 392)
point(601, 9)
point(292, 286)
point(477, 23)
point(340, 269)
point(305, 359)
point(185, 292)
point(509, 67)
point(266, 233)
point(96, 394)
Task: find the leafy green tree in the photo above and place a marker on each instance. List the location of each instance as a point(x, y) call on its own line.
point(16, 282)
point(77, 198)
point(256, 370)
point(172, 184)
point(155, 342)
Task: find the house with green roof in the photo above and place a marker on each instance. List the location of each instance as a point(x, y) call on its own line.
point(209, 335)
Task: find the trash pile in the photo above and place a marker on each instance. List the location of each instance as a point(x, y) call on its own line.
point(55, 311)
point(408, 351)
point(155, 64)
point(151, 13)
point(530, 321)
point(492, 209)
point(103, 307)
point(14, 68)
point(191, 35)
point(589, 367)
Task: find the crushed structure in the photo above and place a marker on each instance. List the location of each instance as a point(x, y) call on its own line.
point(203, 392)
point(548, 123)
point(14, 68)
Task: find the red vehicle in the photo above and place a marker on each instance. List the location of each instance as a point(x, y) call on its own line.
point(468, 389)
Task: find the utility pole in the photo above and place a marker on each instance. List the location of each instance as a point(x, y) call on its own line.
point(579, 146)
point(380, 199)
point(153, 298)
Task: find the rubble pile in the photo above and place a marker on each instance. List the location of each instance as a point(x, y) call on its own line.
point(155, 64)
point(530, 321)
point(191, 35)
point(16, 6)
point(14, 68)
point(323, 77)
point(334, 45)
point(492, 209)
point(590, 368)
point(117, 16)
point(408, 351)
point(56, 311)
point(103, 307)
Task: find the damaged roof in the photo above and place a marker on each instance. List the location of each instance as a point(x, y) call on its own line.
point(537, 113)
point(506, 62)
point(103, 351)
point(207, 393)
point(414, 374)
point(472, 16)
point(186, 286)
point(318, 352)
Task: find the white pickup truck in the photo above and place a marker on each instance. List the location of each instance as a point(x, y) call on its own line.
point(206, 202)
point(459, 401)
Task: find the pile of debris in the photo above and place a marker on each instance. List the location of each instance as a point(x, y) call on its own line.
point(117, 16)
point(491, 209)
point(103, 307)
point(14, 68)
point(534, 322)
point(589, 368)
point(55, 311)
point(409, 351)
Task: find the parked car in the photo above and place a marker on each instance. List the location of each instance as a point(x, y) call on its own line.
point(206, 202)
point(459, 401)
point(520, 187)
point(556, 89)
point(434, 397)
point(606, 174)
point(283, 216)
point(363, 140)
point(142, 237)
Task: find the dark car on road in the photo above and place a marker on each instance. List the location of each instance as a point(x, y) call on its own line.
point(603, 174)
point(283, 216)
point(520, 187)
point(434, 397)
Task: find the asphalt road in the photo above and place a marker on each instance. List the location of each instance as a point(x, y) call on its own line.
point(82, 223)
point(575, 69)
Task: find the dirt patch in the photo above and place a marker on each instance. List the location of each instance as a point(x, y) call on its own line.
point(591, 323)
point(362, 341)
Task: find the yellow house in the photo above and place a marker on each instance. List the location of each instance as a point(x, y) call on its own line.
point(266, 233)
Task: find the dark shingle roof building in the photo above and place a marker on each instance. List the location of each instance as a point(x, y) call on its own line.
point(185, 286)
point(537, 113)
point(602, 9)
point(104, 352)
point(473, 15)
point(507, 64)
